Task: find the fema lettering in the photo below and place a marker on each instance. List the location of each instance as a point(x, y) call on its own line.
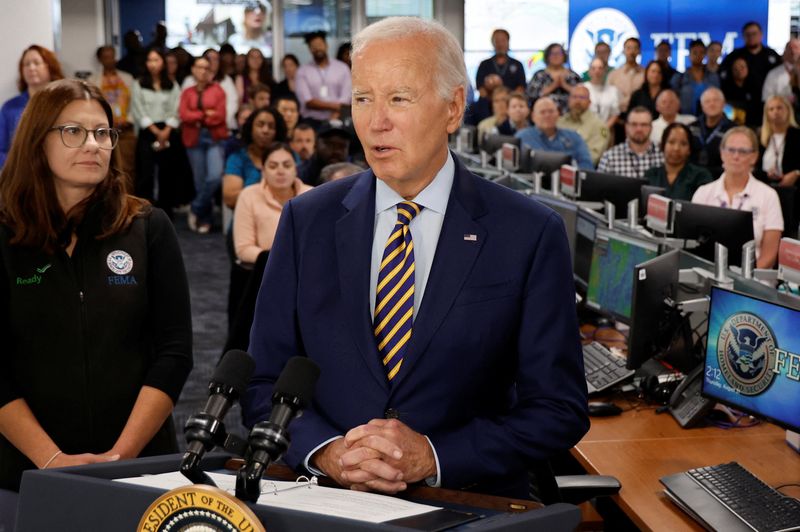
point(122, 280)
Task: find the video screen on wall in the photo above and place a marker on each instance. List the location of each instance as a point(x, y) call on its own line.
point(200, 24)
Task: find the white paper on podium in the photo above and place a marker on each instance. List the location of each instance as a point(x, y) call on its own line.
point(305, 497)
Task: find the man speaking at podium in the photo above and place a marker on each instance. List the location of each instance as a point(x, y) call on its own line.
point(439, 306)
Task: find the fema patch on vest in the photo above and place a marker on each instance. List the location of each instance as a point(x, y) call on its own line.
point(746, 352)
point(198, 508)
point(119, 262)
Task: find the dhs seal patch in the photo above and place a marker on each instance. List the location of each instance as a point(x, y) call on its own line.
point(198, 508)
point(119, 262)
point(746, 352)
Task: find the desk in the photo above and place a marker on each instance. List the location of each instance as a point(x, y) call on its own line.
point(640, 446)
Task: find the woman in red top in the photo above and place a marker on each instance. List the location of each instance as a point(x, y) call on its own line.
point(202, 112)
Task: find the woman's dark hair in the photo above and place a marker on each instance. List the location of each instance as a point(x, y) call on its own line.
point(146, 79)
point(550, 48)
point(219, 75)
point(292, 58)
point(28, 201)
point(683, 127)
point(280, 125)
point(344, 48)
point(264, 72)
point(272, 148)
point(664, 84)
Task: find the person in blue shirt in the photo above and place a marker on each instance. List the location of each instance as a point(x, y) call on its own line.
point(545, 136)
point(38, 66)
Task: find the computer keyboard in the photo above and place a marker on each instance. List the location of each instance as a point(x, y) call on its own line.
point(756, 505)
point(603, 368)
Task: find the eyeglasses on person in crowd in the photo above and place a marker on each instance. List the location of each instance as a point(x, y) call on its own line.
point(75, 136)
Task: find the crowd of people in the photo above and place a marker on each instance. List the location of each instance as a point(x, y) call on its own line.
point(674, 129)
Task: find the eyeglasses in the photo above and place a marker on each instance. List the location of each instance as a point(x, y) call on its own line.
point(75, 136)
point(738, 151)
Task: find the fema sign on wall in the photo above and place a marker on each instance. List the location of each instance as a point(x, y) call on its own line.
point(676, 21)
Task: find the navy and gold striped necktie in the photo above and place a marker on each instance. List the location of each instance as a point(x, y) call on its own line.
point(394, 296)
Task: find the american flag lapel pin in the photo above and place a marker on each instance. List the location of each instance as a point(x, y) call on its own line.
point(471, 238)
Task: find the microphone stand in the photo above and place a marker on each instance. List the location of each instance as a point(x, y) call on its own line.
point(211, 432)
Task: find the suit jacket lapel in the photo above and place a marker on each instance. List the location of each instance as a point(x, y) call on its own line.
point(353, 253)
point(452, 263)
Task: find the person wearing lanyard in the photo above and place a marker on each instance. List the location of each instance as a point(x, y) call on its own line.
point(322, 86)
point(709, 129)
point(736, 188)
point(507, 68)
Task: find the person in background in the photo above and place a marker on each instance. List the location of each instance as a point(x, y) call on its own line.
point(695, 80)
point(333, 146)
point(234, 142)
point(243, 168)
point(303, 142)
point(259, 205)
point(336, 171)
point(546, 136)
point(667, 106)
point(227, 60)
point(663, 53)
point(241, 64)
point(116, 86)
point(713, 53)
point(555, 80)
point(37, 67)
point(185, 61)
point(227, 84)
point(323, 85)
point(518, 113)
point(159, 38)
point(290, 111)
point(136, 55)
point(680, 177)
point(343, 53)
point(602, 51)
point(481, 109)
point(172, 66)
point(510, 71)
point(605, 97)
point(259, 95)
point(760, 60)
point(286, 87)
point(257, 71)
point(115, 360)
point(741, 93)
point(654, 83)
point(778, 80)
point(630, 76)
point(588, 125)
point(779, 146)
point(154, 107)
point(736, 188)
point(709, 129)
point(202, 113)
point(638, 153)
point(500, 97)
point(255, 34)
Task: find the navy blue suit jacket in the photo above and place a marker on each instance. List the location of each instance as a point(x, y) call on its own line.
point(493, 373)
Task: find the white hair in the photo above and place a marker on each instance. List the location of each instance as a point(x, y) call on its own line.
point(710, 91)
point(448, 69)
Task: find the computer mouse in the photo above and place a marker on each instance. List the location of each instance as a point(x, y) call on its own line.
point(602, 409)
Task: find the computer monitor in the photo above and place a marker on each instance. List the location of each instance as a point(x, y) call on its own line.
point(730, 227)
point(568, 212)
point(465, 140)
point(647, 191)
point(546, 162)
point(652, 321)
point(618, 189)
point(752, 358)
point(491, 143)
point(614, 258)
point(585, 232)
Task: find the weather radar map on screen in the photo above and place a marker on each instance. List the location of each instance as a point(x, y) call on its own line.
point(753, 357)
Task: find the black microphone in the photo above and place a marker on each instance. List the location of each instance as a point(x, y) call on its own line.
point(270, 439)
point(205, 430)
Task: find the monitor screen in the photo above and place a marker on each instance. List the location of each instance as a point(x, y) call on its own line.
point(568, 212)
point(585, 229)
point(618, 189)
point(753, 357)
point(614, 258)
point(707, 225)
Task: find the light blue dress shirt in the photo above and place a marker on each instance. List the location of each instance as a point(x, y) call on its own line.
point(566, 141)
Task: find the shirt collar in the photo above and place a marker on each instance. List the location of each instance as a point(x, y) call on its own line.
point(433, 197)
point(722, 195)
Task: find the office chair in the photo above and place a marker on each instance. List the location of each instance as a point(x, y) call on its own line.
point(549, 488)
